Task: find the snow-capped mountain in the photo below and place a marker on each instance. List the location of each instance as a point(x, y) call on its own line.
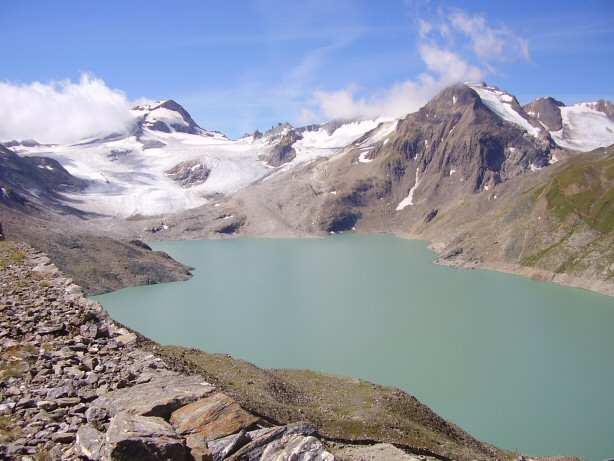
point(168, 163)
point(168, 116)
point(581, 127)
point(506, 106)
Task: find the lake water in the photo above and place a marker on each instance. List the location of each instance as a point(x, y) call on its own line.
point(522, 364)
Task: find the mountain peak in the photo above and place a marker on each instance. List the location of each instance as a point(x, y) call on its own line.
point(279, 129)
point(506, 106)
point(547, 111)
point(169, 116)
point(454, 97)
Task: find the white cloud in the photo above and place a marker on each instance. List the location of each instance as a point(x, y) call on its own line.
point(488, 42)
point(449, 66)
point(62, 112)
point(439, 46)
point(444, 68)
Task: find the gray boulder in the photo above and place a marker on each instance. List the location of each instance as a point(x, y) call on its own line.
point(214, 417)
point(158, 397)
point(132, 437)
point(89, 442)
point(297, 448)
point(260, 439)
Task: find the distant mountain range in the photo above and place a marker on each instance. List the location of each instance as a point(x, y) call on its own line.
point(168, 163)
point(488, 181)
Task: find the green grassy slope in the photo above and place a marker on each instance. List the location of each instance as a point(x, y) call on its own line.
point(578, 198)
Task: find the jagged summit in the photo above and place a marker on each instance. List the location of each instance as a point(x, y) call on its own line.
point(506, 106)
point(169, 116)
point(22, 142)
point(604, 106)
point(546, 110)
point(280, 128)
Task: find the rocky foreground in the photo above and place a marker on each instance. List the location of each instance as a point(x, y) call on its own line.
point(74, 384)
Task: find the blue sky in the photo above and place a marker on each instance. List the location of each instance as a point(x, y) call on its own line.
point(238, 66)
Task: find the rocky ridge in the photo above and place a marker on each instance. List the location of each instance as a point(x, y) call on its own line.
point(35, 182)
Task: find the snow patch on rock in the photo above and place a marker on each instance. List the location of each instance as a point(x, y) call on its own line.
point(501, 103)
point(409, 200)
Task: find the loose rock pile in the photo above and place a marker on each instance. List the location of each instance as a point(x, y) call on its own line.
point(75, 385)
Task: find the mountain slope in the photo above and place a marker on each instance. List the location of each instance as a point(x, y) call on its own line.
point(578, 203)
point(37, 182)
point(554, 225)
point(344, 409)
point(455, 145)
point(34, 209)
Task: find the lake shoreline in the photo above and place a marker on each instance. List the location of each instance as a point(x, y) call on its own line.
point(533, 273)
point(456, 261)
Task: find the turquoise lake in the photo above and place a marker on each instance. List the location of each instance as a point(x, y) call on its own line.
point(521, 364)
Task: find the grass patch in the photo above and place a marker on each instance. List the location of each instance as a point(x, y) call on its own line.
point(535, 258)
point(8, 429)
point(10, 255)
point(14, 361)
point(584, 188)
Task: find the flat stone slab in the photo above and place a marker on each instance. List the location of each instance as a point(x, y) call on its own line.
point(159, 397)
point(214, 417)
point(258, 440)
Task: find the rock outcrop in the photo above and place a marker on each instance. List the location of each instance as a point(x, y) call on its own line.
point(37, 182)
point(189, 173)
point(548, 111)
point(281, 141)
